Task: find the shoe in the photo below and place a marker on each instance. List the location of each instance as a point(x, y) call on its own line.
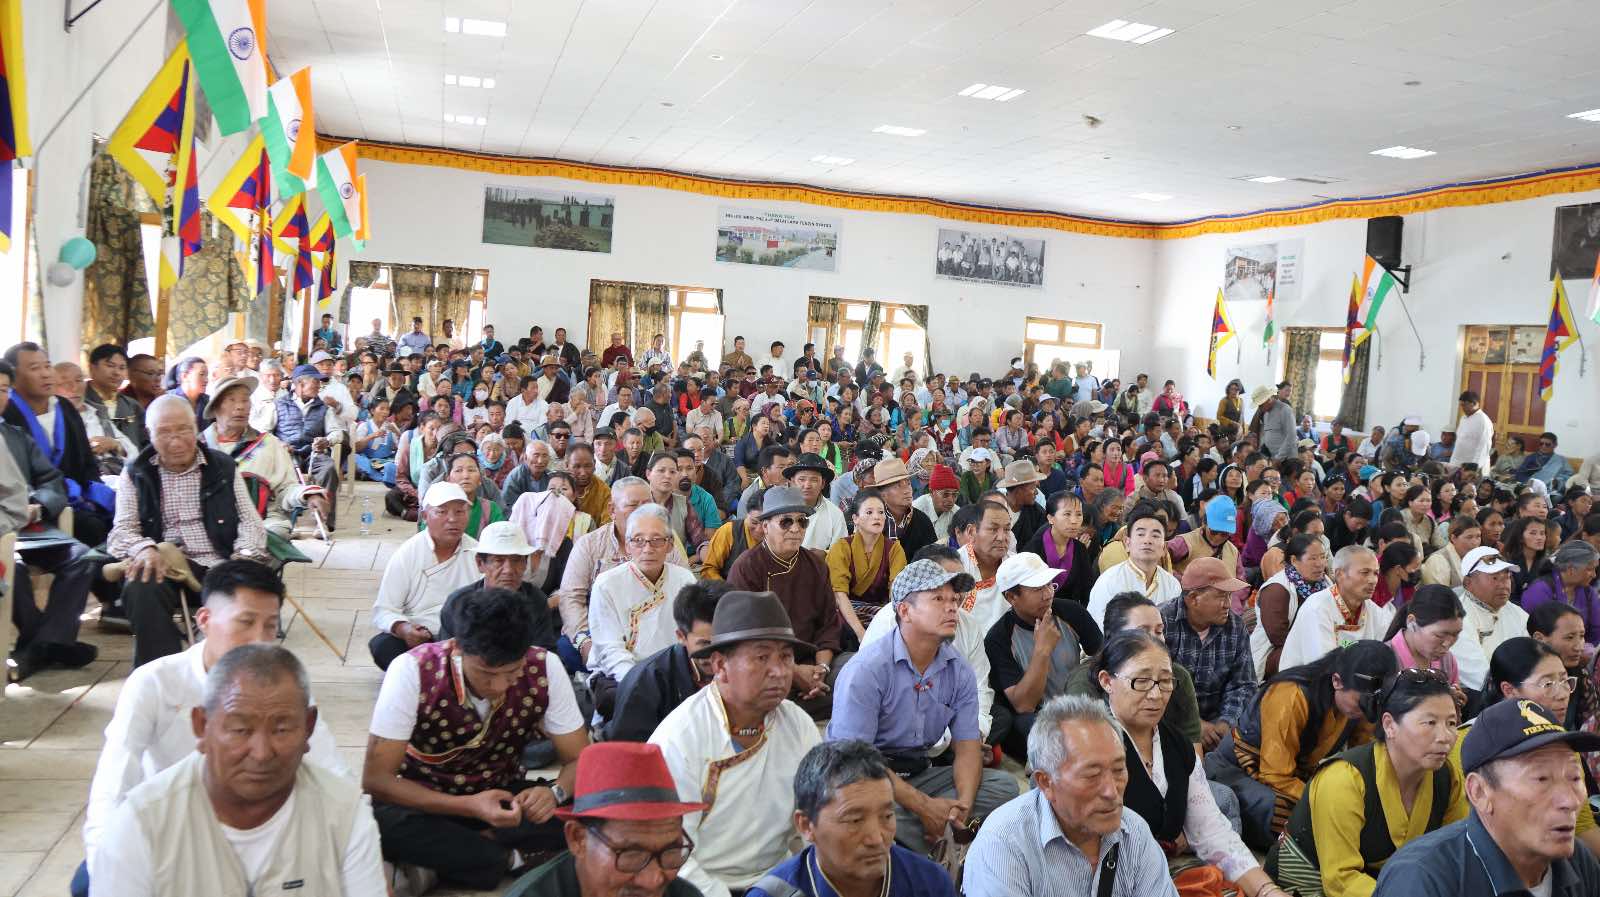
point(74, 656)
point(25, 662)
point(408, 881)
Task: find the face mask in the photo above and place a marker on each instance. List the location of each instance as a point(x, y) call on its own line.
point(1414, 579)
point(480, 394)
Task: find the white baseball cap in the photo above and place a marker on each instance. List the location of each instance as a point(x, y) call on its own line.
point(1025, 569)
point(442, 493)
point(503, 537)
point(319, 357)
point(1485, 559)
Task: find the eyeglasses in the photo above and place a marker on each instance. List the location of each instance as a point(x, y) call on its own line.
point(649, 541)
point(1144, 684)
point(1558, 686)
point(630, 860)
point(789, 522)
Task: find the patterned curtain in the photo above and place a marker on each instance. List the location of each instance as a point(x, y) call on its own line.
point(919, 316)
point(869, 330)
point(1353, 401)
point(116, 298)
point(414, 295)
point(823, 311)
point(455, 297)
point(1302, 351)
point(213, 285)
point(649, 314)
point(608, 312)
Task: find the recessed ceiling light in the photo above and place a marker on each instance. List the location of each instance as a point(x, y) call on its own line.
point(999, 94)
point(469, 81)
point(1152, 197)
point(716, 57)
point(899, 131)
point(1402, 152)
point(1267, 179)
point(831, 160)
point(1591, 115)
point(475, 27)
point(1130, 32)
point(468, 120)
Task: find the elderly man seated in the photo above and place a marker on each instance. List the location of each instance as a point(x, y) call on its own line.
point(184, 495)
point(111, 447)
point(56, 427)
point(502, 556)
point(1485, 593)
point(310, 429)
point(624, 830)
point(736, 744)
point(444, 760)
point(901, 692)
point(264, 400)
point(421, 574)
point(659, 683)
point(532, 475)
point(244, 814)
point(150, 731)
point(262, 457)
point(844, 809)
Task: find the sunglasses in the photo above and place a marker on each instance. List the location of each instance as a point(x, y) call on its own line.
point(789, 522)
point(1486, 559)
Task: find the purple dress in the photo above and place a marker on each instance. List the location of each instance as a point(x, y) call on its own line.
point(1585, 600)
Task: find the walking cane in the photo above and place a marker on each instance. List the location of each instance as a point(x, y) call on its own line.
point(322, 530)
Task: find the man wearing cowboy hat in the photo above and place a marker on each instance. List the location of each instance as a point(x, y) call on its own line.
point(735, 745)
point(800, 579)
point(502, 557)
point(904, 522)
point(262, 458)
point(1274, 421)
point(812, 476)
point(444, 761)
point(899, 694)
point(624, 831)
point(1021, 484)
point(554, 385)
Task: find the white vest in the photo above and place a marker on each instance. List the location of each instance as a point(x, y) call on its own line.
point(1260, 645)
point(192, 856)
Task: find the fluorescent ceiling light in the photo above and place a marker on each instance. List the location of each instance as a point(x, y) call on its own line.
point(999, 94)
point(1591, 115)
point(468, 120)
point(1153, 197)
point(899, 131)
point(1130, 32)
point(1402, 152)
point(831, 160)
point(468, 81)
point(1267, 179)
point(476, 27)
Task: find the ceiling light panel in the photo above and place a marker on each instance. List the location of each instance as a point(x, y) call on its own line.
point(1267, 179)
point(996, 92)
point(1402, 152)
point(899, 131)
point(1591, 115)
point(472, 81)
point(474, 27)
point(468, 120)
point(1130, 32)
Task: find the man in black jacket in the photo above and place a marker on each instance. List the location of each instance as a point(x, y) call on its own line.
point(502, 555)
point(659, 683)
point(57, 428)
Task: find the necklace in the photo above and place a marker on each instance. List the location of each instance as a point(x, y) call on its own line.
point(813, 865)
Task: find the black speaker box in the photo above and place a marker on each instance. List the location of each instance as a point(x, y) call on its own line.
point(1383, 239)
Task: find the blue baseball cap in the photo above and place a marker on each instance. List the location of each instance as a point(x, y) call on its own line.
point(1222, 515)
point(1366, 472)
point(306, 370)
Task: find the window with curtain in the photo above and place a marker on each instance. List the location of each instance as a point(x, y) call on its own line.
point(890, 329)
point(1313, 363)
point(638, 311)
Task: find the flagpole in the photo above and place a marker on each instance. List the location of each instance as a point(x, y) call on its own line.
point(1422, 351)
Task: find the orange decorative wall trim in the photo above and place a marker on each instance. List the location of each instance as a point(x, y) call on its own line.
point(1510, 188)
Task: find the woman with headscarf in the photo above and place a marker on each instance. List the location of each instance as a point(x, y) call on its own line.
point(1568, 578)
point(921, 465)
point(977, 473)
point(497, 465)
point(1304, 574)
point(1266, 517)
point(548, 520)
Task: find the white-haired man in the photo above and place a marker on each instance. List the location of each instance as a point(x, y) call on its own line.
point(630, 606)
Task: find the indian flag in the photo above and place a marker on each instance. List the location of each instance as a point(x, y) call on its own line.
point(1377, 284)
point(1594, 292)
point(336, 182)
point(225, 41)
point(364, 232)
point(290, 130)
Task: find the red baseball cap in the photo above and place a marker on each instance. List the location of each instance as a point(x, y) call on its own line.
point(625, 780)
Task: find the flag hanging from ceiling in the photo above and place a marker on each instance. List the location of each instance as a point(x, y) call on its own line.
point(288, 225)
point(7, 178)
point(1354, 333)
point(246, 187)
point(1560, 333)
point(1221, 332)
point(1377, 284)
point(14, 142)
point(336, 183)
point(292, 223)
point(155, 124)
point(1594, 290)
point(322, 243)
point(266, 267)
point(226, 40)
point(291, 132)
point(1272, 328)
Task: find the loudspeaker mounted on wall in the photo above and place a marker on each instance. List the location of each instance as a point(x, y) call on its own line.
point(1383, 239)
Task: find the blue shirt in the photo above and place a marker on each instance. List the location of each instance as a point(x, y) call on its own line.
point(910, 875)
point(881, 699)
point(417, 341)
point(1463, 859)
point(1021, 851)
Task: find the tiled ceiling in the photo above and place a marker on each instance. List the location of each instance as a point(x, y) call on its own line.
point(756, 88)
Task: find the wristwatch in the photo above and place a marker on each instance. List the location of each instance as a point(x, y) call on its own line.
point(561, 794)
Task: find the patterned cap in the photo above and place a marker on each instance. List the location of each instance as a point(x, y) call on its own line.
point(926, 575)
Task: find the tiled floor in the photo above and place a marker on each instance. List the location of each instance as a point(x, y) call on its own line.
point(51, 727)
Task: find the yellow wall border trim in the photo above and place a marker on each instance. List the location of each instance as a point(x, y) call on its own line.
point(1511, 188)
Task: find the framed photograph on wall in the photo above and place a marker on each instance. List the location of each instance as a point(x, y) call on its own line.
point(778, 239)
point(1252, 273)
point(548, 219)
point(1527, 345)
point(1576, 243)
point(992, 257)
point(1499, 338)
point(1477, 344)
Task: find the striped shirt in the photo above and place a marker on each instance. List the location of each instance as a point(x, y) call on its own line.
point(1021, 851)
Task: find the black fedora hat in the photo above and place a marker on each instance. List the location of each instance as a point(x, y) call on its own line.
point(813, 462)
point(748, 617)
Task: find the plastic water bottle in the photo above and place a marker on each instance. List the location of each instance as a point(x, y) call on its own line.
point(366, 516)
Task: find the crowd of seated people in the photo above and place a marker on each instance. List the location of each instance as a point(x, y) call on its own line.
point(734, 607)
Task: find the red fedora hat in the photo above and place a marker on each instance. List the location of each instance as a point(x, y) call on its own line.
point(625, 780)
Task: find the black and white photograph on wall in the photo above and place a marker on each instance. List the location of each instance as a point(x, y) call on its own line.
point(548, 219)
point(778, 239)
point(1576, 245)
point(992, 257)
point(1252, 273)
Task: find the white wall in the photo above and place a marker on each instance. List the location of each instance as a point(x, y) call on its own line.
point(427, 215)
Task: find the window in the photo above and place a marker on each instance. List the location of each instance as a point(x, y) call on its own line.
point(374, 302)
point(694, 316)
point(1328, 374)
point(1046, 341)
point(897, 334)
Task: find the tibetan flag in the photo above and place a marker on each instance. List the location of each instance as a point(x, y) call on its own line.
point(1561, 333)
point(155, 124)
point(1377, 284)
point(246, 187)
point(1221, 332)
point(186, 182)
point(1272, 328)
point(1594, 285)
point(322, 234)
point(225, 38)
point(293, 223)
point(14, 142)
point(322, 242)
point(289, 225)
point(266, 266)
point(7, 178)
point(291, 132)
point(336, 182)
point(1354, 333)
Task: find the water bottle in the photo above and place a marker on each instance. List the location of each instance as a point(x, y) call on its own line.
point(366, 516)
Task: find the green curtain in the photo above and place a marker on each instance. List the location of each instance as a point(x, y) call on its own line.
point(608, 312)
point(869, 329)
point(919, 316)
point(213, 286)
point(414, 295)
point(116, 297)
point(1353, 401)
point(649, 314)
point(1302, 351)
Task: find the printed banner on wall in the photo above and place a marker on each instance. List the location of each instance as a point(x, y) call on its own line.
point(778, 239)
point(548, 219)
point(1576, 244)
point(993, 257)
point(1252, 273)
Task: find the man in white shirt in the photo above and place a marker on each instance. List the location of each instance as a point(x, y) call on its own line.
point(1474, 434)
point(1142, 571)
point(421, 574)
point(624, 403)
point(768, 396)
point(1491, 617)
point(630, 606)
point(1321, 624)
point(526, 408)
point(334, 393)
point(150, 728)
point(774, 358)
point(244, 814)
point(1372, 445)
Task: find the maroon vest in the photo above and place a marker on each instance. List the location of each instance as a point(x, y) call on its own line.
point(452, 749)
